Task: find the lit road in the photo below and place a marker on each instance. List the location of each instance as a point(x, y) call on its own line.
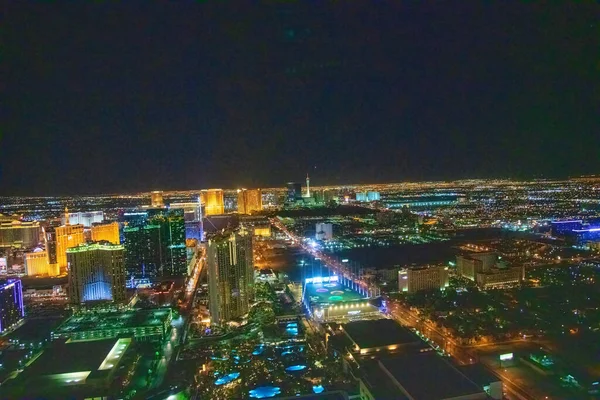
point(340, 268)
point(191, 290)
point(167, 351)
point(179, 326)
point(192, 283)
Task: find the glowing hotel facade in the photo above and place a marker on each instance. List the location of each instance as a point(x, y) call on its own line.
point(96, 272)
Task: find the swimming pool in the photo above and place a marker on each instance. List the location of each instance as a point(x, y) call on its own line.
point(295, 368)
point(227, 378)
point(264, 392)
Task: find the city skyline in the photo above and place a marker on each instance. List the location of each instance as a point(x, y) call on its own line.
point(195, 96)
point(300, 199)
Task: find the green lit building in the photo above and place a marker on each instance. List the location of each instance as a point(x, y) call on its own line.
point(144, 325)
point(154, 243)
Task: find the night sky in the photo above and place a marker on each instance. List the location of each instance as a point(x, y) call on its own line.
point(103, 98)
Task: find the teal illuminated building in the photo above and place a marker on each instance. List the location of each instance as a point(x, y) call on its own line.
point(96, 272)
point(154, 241)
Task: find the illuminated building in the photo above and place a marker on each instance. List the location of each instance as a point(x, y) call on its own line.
point(484, 267)
point(213, 201)
point(264, 231)
point(106, 232)
point(422, 202)
point(11, 303)
point(249, 201)
point(154, 243)
point(294, 192)
point(96, 272)
point(51, 248)
point(328, 299)
point(192, 215)
point(417, 279)
point(476, 260)
point(67, 236)
point(497, 278)
point(86, 218)
point(230, 275)
point(307, 186)
point(361, 196)
point(172, 240)
point(156, 199)
point(583, 237)
point(559, 228)
point(373, 196)
point(36, 263)
point(142, 250)
point(324, 231)
point(22, 234)
point(145, 325)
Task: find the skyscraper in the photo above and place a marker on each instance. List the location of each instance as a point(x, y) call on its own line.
point(96, 272)
point(307, 186)
point(172, 240)
point(156, 199)
point(51, 249)
point(11, 303)
point(230, 275)
point(142, 250)
point(85, 218)
point(294, 192)
point(108, 231)
point(192, 215)
point(67, 236)
point(249, 201)
point(213, 200)
point(154, 243)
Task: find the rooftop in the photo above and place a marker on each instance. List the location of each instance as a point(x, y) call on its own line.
point(478, 373)
point(114, 319)
point(65, 357)
point(379, 333)
point(331, 292)
point(408, 370)
point(103, 245)
point(35, 329)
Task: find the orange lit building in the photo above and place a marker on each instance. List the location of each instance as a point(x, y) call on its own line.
point(67, 236)
point(213, 200)
point(264, 231)
point(106, 231)
point(249, 201)
point(156, 199)
point(36, 264)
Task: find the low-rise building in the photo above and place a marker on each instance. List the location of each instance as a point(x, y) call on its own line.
point(67, 368)
point(143, 325)
point(374, 336)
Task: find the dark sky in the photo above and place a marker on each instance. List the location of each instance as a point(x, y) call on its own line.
point(105, 97)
